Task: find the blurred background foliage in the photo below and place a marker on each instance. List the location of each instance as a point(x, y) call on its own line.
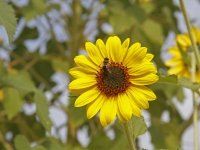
point(49, 35)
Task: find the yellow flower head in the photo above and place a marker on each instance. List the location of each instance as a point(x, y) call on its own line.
point(112, 79)
point(178, 65)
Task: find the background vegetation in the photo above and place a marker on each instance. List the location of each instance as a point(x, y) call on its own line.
point(49, 35)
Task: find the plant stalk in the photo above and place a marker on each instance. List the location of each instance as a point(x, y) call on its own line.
point(130, 140)
point(195, 105)
point(191, 35)
point(193, 72)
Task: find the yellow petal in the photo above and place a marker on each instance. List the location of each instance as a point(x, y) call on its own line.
point(174, 62)
point(121, 118)
point(144, 80)
point(103, 119)
point(109, 110)
point(82, 83)
point(135, 56)
point(135, 109)
point(143, 68)
point(85, 62)
point(175, 51)
point(114, 48)
point(130, 52)
point(148, 93)
point(94, 107)
point(183, 40)
point(196, 33)
point(78, 72)
point(138, 97)
point(94, 53)
point(124, 50)
point(87, 97)
point(148, 57)
point(124, 106)
point(125, 44)
point(177, 70)
point(101, 46)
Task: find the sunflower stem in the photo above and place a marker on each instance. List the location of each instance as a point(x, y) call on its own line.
point(193, 72)
point(129, 137)
point(191, 35)
point(195, 105)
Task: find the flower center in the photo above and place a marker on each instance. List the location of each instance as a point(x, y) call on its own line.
point(113, 79)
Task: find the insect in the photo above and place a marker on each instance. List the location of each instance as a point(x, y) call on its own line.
point(105, 65)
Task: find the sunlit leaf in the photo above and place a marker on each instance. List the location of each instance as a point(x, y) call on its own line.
point(185, 82)
point(136, 125)
point(21, 143)
point(149, 27)
point(12, 101)
point(7, 19)
point(170, 79)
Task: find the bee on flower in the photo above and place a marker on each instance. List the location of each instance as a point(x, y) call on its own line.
point(112, 79)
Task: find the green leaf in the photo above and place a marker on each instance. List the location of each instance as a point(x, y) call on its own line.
point(44, 67)
point(119, 143)
point(77, 115)
point(185, 82)
point(42, 109)
point(7, 19)
point(148, 7)
point(3, 70)
point(37, 7)
point(21, 82)
point(170, 79)
point(12, 101)
point(136, 125)
point(21, 143)
point(137, 13)
point(33, 8)
point(149, 27)
point(39, 147)
point(24, 85)
point(99, 142)
point(168, 133)
point(116, 10)
point(59, 65)
point(27, 33)
point(52, 145)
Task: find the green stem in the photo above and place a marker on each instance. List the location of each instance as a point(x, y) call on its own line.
point(193, 72)
point(130, 140)
point(195, 112)
point(191, 35)
point(195, 118)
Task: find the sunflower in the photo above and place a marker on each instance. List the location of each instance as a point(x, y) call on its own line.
point(180, 64)
point(112, 79)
